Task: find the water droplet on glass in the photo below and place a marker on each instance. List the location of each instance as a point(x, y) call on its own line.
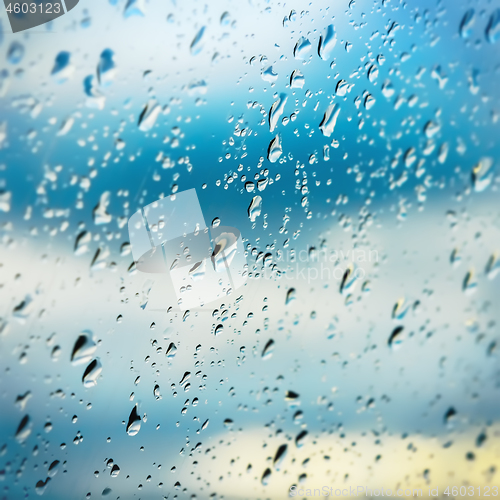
point(279, 456)
point(290, 296)
point(470, 283)
point(276, 111)
point(83, 349)
point(302, 48)
point(255, 208)
point(92, 373)
point(297, 80)
point(134, 422)
point(493, 27)
point(327, 42)
point(274, 150)
point(396, 338)
point(467, 23)
point(265, 477)
point(329, 121)
point(15, 53)
point(197, 43)
point(269, 75)
point(63, 69)
point(149, 115)
point(134, 8)
point(482, 174)
point(106, 68)
point(268, 350)
point(24, 429)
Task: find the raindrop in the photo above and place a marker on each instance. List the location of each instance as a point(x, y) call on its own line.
point(348, 282)
point(255, 208)
point(197, 43)
point(63, 69)
point(369, 102)
point(268, 350)
point(171, 350)
point(269, 75)
point(450, 415)
point(297, 80)
point(302, 48)
point(134, 8)
point(92, 373)
point(84, 349)
point(100, 214)
point(53, 468)
point(493, 266)
point(401, 307)
point(341, 88)
point(482, 174)
point(396, 338)
point(290, 296)
point(280, 456)
point(41, 486)
point(149, 115)
point(467, 23)
point(327, 42)
point(274, 150)
point(24, 429)
point(134, 422)
point(15, 53)
point(106, 68)
point(301, 438)
point(276, 111)
point(493, 27)
point(470, 283)
point(329, 121)
point(373, 73)
point(266, 476)
point(156, 392)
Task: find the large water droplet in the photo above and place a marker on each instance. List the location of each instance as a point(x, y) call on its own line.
point(106, 68)
point(280, 456)
point(63, 69)
point(467, 23)
point(149, 115)
point(15, 53)
point(134, 8)
point(297, 80)
point(327, 42)
point(482, 174)
point(329, 121)
point(302, 48)
point(24, 429)
point(269, 75)
point(92, 373)
point(197, 43)
point(134, 422)
point(255, 208)
point(396, 338)
point(493, 27)
point(493, 266)
point(274, 150)
point(268, 350)
point(276, 111)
